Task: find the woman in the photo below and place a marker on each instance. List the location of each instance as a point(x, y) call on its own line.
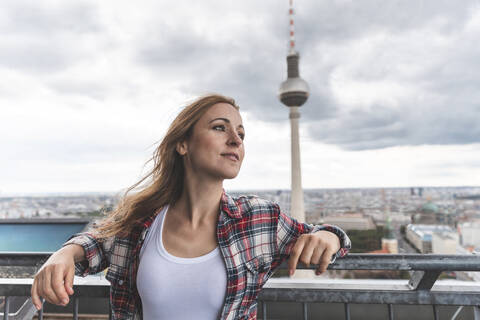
point(182, 238)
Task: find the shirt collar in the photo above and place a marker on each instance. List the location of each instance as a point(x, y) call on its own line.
point(229, 206)
point(146, 222)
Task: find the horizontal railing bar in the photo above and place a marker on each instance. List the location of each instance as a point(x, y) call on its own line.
point(369, 296)
point(24, 290)
point(408, 262)
point(353, 261)
point(23, 259)
point(467, 294)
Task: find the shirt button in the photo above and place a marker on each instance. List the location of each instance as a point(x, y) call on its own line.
point(120, 282)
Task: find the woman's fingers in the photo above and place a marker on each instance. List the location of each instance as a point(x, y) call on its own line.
point(303, 251)
point(295, 254)
point(325, 261)
point(317, 255)
point(308, 250)
point(35, 297)
point(69, 280)
point(58, 285)
point(316, 248)
point(47, 288)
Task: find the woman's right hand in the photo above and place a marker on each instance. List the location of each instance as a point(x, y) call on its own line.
point(54, 280)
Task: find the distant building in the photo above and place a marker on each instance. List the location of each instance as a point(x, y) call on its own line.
point(390, 243)
point(429, 213)
point(419, 192)
point(351, 221)
point(469, 233)
point(389, 246)
point(421, 237)
point(444, 242)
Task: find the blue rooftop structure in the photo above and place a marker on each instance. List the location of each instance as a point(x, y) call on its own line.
point(37, 235)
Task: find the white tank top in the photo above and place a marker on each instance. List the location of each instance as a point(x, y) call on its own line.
point(171, 287)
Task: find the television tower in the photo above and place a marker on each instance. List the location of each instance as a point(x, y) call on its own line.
point(293, 93)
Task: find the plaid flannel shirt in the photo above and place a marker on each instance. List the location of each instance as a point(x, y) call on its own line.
point(254, 237)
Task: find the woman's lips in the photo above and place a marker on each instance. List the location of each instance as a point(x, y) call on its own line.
point(231, 156)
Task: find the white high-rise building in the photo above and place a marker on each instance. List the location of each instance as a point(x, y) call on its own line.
point(470, 233)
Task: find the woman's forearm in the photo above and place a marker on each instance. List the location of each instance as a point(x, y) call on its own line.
point(75, 250)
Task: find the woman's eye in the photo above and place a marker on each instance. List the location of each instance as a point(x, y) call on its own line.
point(241, 135)
point(219, 128)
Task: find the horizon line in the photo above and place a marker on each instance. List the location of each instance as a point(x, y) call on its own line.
point(79, 193)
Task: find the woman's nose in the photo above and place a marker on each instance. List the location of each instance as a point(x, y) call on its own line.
point(235, 139)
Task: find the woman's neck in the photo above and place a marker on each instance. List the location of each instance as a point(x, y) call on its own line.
point(199, 203)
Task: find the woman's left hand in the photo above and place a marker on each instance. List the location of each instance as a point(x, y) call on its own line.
point(314, 248)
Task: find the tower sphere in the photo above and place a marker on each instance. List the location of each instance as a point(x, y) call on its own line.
point(293, 91)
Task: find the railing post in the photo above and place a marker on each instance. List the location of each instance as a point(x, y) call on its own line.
point(305, 311)
point(75, 308)
point(436, 316)
point(476, 312)
point(264, 310)
point(40, 313)
point(423, 280)
point(390, 311)
point(347, 311)
point(110, 310)
point(6, 309)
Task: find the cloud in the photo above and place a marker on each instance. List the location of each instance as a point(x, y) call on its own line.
point(341, 21)
point(360, 129)
point(394, 83)
point(92, 82)
point(227, 53)
point(49, 17)
point(47, 36)
point(381, 74)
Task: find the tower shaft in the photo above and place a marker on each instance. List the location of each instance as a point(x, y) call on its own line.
point(296, 208)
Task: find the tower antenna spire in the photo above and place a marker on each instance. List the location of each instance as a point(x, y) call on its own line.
point(292, 28)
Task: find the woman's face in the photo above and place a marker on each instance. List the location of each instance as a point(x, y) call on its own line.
point(215, 148)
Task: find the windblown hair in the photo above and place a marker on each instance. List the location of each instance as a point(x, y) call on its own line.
point(165, 181)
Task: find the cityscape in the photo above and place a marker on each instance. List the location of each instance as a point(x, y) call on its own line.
point(421, 219)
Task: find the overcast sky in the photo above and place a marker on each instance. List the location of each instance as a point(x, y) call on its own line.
point(87, 89)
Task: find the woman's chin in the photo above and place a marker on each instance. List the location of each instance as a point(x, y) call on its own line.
point(230, 175)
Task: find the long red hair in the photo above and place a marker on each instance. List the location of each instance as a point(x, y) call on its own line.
point(164, 183)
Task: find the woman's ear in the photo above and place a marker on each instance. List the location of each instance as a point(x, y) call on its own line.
point(181, 148)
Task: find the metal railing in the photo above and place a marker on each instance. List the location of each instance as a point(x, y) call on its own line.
point(425, 270)
point(421, 289)
point(21, 287)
